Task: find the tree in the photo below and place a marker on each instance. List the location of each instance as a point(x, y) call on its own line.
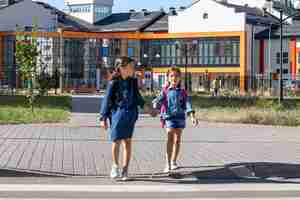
point(26, 58)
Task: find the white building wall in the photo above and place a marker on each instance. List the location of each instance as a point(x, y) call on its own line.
point(26, 13)
point(91, 15)
point(78, 2)
point(249, 48)
point(275, 48)
point(251, 3)
point(220, 19)
point(88, 16)
point(253, 47)
point(271, 48)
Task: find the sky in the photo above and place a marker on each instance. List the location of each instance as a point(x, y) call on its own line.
point(126, 5)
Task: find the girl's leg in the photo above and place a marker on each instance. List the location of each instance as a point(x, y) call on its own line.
point(176, 145)
point(126, 152)
point(170, 145)
point(115, 152)
point(115, 172)
point(126, 157)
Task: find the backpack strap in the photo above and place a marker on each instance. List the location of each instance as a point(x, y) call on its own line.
point(115, 93)
point(164, 106)
point(165, 98)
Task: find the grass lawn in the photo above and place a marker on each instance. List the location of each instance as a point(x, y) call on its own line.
point(247, 110)
point(51, 109)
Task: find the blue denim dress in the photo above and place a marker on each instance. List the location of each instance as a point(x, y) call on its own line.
point(174, 116)
point(122, 110)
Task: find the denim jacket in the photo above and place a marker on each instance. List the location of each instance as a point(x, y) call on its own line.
point(174, 98)
point(121, 94)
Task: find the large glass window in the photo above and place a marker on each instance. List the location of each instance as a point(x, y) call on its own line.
point(133, 47)
point(200, 52)
point(74, 57)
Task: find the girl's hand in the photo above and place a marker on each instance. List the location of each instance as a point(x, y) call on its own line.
point(150, 111)
point(103, 124)
point(195, 121)
point(153, 113)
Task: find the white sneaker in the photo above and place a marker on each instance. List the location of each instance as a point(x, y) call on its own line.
point(174, 166)
point(125, 174)
point(115, 171)
point(167, 169)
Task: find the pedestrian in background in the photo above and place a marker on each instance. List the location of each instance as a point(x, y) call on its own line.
point(216, 87)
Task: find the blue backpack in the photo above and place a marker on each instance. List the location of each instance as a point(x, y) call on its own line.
point(180, 105)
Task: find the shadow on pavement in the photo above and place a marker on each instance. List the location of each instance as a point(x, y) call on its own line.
point(26, 173)
point(260, 172)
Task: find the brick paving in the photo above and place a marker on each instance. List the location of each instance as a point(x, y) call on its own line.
point(82, 148)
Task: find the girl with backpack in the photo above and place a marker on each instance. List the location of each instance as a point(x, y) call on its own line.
point(121, 102)
point(174, 104)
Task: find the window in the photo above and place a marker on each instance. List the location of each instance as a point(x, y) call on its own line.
point(80, 8)
point(130, 52)
point(205, 15)
point(102, 12)
point(285, 58)
point(201, 52)
point(105, 51)
point(132, 48)
point(28, 28)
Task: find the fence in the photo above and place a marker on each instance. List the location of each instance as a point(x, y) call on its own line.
point(74, 63)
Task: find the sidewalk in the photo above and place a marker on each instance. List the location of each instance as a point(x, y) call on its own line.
point(211, 151)
point(57, 189)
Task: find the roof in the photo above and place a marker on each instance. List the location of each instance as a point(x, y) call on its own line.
point(65, 20)
point(129, 22)
point(288, 30)
point(5, 3)
point(253, 15)
point(160, 25)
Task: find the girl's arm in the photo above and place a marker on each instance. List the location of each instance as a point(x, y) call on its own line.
point(105, 109)
point(158, 101)
point(189, 108)
point(190, 111)
point(140, 99)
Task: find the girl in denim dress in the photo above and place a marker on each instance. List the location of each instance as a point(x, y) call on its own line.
point(174, 105)
point(121, 102)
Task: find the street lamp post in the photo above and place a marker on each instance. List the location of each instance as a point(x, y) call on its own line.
point(186, 66)
point(186, 51)
point(157, 56)
point(281, 61)
point(146, 62)
point(281, 21)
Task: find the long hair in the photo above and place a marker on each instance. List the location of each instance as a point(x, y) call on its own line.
point(112, 71)
point(121, 62)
